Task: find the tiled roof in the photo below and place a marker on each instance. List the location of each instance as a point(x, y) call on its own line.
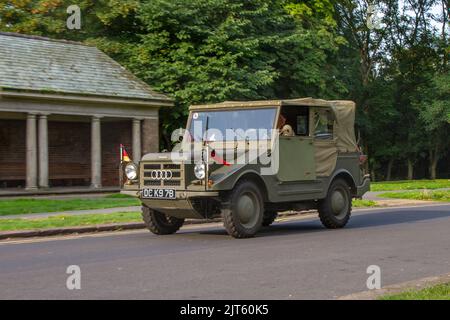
point(56, 66)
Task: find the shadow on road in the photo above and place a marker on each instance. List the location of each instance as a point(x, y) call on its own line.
point(357, 221)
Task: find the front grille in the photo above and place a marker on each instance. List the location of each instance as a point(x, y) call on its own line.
point(152, 183)
point(152, 166)
point(176, 180)
point(171, 166)
point(172, 183)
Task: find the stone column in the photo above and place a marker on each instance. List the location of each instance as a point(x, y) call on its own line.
point(136, 140)
point(96, 153)
point(32, 169)
point(43, 151)
point(150, 135)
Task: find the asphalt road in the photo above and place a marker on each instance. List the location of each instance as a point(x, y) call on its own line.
point(293, 259)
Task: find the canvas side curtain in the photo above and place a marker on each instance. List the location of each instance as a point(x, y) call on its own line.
point(344, 126)
point(325, 153)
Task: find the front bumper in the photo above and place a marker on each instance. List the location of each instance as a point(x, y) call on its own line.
point(181, 194)
point(364, 187)
point(181, 207)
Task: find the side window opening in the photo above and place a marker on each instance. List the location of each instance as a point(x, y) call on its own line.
point(297, 118)
point(302, 128)
point(323, 124)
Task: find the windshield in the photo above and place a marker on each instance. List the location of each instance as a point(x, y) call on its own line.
point(250, 124)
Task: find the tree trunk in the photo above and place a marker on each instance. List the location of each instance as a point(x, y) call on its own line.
point(410, 169)
point(372, 175)
point(366, 164)
point(389, 169)
point(433, 163)
point(433, 169)
point(372, 172)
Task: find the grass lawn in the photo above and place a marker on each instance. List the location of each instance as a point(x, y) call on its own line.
point(439, 292)
point(23, 206)
point(358, 203)
point(410, 185)
point(94, 219)
point(68, 221)
point(419, 195)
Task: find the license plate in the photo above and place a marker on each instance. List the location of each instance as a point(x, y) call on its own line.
point(158, 193)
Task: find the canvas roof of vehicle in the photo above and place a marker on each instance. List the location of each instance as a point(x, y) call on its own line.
point(343, 110)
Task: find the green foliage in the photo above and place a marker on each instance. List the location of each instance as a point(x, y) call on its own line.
point(420, 195)
point(48, 17)
point(24, 206)
point(437, 292)
point(69, 221)
point(110, 24)
point(433, 105)
point(410, 185)
point(398, 75)
point(437, 111)
point(359, 203)
point(204, 51)
point(310, 12)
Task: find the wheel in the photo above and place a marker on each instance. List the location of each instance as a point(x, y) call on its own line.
point(159, 223)
point(336, 208)
point(269, 218)
point(243, 218)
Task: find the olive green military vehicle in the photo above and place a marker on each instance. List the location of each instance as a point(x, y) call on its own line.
point(247, 161)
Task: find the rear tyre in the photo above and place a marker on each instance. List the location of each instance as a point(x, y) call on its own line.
point(336, 208)
point(269, 218)
point(159, 223)
point(244, 215)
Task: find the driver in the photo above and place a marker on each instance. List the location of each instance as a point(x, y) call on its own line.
point(285, 129)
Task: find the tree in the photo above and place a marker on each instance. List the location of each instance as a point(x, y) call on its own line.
point(418, 49)
point(109, 24)
point(434, 106)
point(204, 51)
point(201, 50)
point(394, 65)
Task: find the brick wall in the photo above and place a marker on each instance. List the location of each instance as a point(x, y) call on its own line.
point(113, 134)
point(69, 152)
point(150, 136)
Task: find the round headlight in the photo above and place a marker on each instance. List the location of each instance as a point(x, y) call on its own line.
point(131, 171)
point(199, 171)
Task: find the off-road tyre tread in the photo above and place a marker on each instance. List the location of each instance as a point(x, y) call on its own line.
point(325, 212)
point(151, 221)
point(227, 213)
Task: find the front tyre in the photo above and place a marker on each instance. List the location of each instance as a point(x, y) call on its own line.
point(159, 223)
point(243, 218)
point(336, 208)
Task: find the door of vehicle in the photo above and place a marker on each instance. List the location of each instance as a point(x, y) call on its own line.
point(296, 159)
